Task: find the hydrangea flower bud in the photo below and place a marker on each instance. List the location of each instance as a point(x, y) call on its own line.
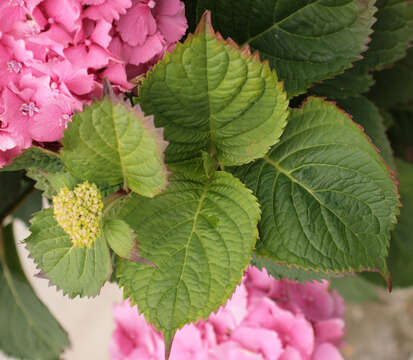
point(79, 213)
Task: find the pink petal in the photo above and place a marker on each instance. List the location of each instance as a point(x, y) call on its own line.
point(65, 12)
point(290, 354)
point(136, 25)
point(262, 341)
point(108, 10)
point(116, 74)
point(231, 350)
point(167, 7)
point(327, 351)
point(173, 27)
point(6, 142)
point(141, 54)
point(331, 330)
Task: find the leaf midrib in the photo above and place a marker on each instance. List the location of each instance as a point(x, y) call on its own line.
point(276, 24)
point(306, 188)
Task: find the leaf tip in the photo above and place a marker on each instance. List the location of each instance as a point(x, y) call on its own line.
point(205, 24)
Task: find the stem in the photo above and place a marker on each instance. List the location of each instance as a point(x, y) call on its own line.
point(47, 151)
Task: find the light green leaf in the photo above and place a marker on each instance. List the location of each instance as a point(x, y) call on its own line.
point(75, 270)
point(306, 41)
point(199, 236)
point(282, 271)
point(392, 36)
point(394, 86)
point(366, 114)
point(122, 240)
point(328, 200)
point(28, 330)
point(212, 96)
point(111, 143)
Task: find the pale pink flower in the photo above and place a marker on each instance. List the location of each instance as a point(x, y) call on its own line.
point(251, 326)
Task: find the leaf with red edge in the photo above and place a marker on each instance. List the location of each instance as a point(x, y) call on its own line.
point(328, 200)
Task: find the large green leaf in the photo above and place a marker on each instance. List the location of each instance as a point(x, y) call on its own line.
point(306, 41)
point(328, 200)
point(113, 143)
point(14, 188)
point(212, 96)
point(353, 82)
point(401, 134)
point(28, 330)
point(401, 246)
point(394, 86)
point(75, 270)
point(199, 236)
point(282, 271)
point(393, 33)
point(366, 114)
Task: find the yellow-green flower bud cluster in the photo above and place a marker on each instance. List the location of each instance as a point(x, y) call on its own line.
point(79, 212)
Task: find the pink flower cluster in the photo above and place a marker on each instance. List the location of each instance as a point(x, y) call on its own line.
point(54, 55)
point(266, 319)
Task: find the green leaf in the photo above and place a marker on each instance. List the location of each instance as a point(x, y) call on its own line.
point(15, 187)
point(212, 96)
point(328, 200)
point(199, 236)
point(353, 82)
point(29, 330)
point(355, 289)
point(401, 246)
point(366, 114)
point(306, 41)
point(75, 270)
point(111, 143)
point(282, 271)
point(401, 134)
point(394, 86)
point(33, 203)
point(122, 240)
point(35, 157)
point(392, 36)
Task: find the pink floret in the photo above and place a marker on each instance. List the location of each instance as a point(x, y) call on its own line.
point(253, 325)
point(55, 54)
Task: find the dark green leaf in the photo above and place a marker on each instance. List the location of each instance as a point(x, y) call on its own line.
point(393, 33)
point(28, 330)
point(366, 114)
point(328, 200)
point(394, 86)
point(306, 41)
point(401, 247)
point(282, 271)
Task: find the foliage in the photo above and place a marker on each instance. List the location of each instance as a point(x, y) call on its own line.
point(213, 168)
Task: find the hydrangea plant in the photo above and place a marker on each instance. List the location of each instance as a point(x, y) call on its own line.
point(180, 142)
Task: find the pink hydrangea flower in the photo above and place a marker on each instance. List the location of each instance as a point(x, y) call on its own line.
point(253, 325)
point(55, 54)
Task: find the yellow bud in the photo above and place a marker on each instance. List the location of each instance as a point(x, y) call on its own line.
point(79, 213)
